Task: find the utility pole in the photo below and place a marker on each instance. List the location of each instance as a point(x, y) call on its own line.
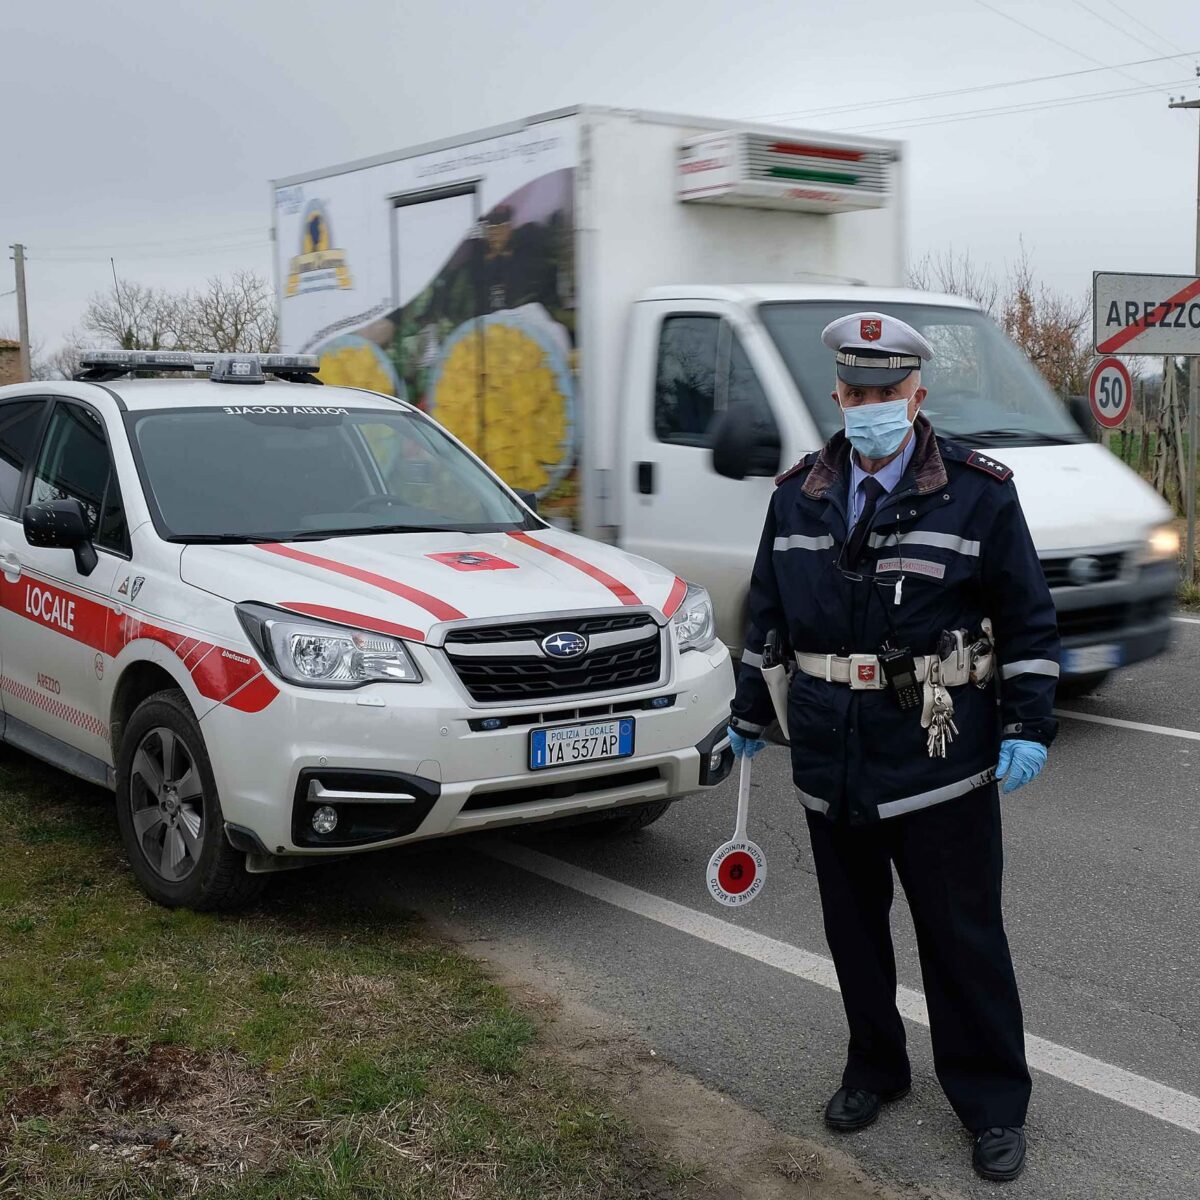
point(1189, 568)
point(22, 312)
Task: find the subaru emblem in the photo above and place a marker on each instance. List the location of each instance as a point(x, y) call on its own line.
point(564, 645)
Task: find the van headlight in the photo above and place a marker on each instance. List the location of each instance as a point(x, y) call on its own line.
point(1162, 545)
point(694, 626)
point(316, 654)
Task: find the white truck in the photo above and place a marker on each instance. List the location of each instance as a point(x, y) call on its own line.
point(596, 299)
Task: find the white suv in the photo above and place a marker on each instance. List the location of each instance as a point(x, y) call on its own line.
point(285, 621)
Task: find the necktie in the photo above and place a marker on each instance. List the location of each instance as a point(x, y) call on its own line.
point(873, 490)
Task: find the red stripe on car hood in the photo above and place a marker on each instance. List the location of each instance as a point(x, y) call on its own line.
point(431, 604)
point(618, 589)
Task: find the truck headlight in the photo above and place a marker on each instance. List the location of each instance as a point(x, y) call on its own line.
point(694, 626)
point(1162, 545)
point(314, 654)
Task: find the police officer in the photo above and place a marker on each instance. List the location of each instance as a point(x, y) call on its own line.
point(897, 572)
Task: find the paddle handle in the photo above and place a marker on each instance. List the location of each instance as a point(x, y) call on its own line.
point(743, 808)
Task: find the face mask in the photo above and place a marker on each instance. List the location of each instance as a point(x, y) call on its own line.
point(876, 430)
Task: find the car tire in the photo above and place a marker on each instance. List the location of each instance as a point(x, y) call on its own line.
point(169, 814)
point(1080, 685)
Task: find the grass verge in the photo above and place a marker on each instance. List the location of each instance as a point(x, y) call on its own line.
point(312, 1048)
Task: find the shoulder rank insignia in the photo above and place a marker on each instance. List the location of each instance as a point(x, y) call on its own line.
point(806, 462)
point(989, 466)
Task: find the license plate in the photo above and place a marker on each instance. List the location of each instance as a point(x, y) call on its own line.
point(589, 741)
point(1087, 659)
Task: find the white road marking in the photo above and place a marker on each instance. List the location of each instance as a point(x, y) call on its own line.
point(1115, 1083)
point(1187, 620)
point(1189, 734)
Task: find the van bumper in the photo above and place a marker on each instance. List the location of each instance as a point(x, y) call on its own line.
point(1112, 625)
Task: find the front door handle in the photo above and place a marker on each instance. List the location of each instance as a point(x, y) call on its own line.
point(645, 478)
point(10, 564)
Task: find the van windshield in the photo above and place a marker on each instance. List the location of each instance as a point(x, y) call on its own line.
point(982, 389)
point(284, 472)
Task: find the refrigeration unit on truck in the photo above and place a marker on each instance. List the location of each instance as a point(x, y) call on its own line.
point(589, 297)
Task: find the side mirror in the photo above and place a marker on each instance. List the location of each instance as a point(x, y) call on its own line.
point(1081, 413)
point(528, 498)
point(61, 524)
point(744, 444)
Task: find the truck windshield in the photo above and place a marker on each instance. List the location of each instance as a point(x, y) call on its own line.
point(982, 389)
point(282, 472)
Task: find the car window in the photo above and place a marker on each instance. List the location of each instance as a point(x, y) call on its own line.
point(19, 422)
point(75, 464)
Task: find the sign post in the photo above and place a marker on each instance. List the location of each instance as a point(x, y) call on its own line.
point(1155, 315)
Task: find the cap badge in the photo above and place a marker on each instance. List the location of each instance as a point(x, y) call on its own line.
point(870, 331)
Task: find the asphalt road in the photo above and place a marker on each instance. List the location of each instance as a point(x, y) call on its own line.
point(1102, 895)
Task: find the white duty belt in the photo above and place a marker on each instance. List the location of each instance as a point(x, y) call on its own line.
point(864, 674)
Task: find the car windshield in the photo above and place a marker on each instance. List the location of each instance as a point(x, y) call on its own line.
point(281, 472)
point(982, 389)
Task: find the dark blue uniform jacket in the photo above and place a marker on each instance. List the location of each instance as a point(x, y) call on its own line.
point(954, 529)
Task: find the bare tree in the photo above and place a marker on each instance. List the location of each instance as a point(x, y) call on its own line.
point(946, 271)
point(234, 314)
point(62, 363)
point(1052, 329)
point(133, 317)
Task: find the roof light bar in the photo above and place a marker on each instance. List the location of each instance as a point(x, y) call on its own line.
point(228, 368)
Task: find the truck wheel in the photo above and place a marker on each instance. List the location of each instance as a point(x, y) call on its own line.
point(169, 814)
point(1080, 685)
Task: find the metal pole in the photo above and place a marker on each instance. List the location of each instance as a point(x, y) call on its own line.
point(1189, 563)
point(22, 312)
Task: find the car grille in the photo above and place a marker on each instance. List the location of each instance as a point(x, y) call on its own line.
point(1058, 570)
point(1112, 618)
point(493, 677)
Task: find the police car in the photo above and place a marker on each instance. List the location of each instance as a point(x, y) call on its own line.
point(283, 621)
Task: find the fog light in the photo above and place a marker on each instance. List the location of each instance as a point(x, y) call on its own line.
point(661, 701)
point(714, 760)
point(324, 820)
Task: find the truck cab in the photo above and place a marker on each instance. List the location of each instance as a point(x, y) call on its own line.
point(744, 366)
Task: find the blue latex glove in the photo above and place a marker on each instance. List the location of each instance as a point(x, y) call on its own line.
point(744, 745)
point(1020, 761)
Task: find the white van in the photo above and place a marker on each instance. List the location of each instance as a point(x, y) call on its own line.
point(520, 285)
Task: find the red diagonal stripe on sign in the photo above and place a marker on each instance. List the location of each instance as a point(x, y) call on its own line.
point(1114, 343)
point(618, 589)
point(431, 604)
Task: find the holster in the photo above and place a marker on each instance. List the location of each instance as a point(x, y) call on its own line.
point(775, 675)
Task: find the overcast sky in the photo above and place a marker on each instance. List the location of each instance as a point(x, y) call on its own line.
point(148, 130)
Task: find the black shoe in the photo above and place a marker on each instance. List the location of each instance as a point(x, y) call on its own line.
point(855, 1108)
point(1000, 1151)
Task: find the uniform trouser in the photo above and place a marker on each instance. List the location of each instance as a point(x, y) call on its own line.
point(949, 859)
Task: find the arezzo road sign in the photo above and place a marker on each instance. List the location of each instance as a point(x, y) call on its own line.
point(1145, 314)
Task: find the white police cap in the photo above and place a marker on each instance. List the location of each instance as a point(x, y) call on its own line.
point(874, 349)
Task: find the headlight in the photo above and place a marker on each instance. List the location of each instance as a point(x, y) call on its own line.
point(1162, 545)
point(314, 654)
point(694, 625)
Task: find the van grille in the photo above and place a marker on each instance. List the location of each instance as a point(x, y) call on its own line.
point(634, 659)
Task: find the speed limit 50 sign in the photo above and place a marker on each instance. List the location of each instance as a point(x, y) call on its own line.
point(1110, 392)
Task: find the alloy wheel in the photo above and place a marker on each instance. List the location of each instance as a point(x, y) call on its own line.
point(167, 804)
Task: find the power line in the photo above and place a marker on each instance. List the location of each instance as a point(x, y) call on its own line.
point(1047, 37)
point(1138, 21)
point(1014, 109)
point(211, 248)
point(140, 245)
point(1114, 25)
point(964, 91)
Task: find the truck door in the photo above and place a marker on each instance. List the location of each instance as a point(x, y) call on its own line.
point(687, 365)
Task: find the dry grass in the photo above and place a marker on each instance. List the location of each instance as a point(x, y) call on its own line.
point(307, 1050)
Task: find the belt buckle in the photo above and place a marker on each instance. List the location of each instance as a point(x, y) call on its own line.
point(865, 675)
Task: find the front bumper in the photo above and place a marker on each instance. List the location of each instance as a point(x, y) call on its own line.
point(1123, 622)
point(423, 741)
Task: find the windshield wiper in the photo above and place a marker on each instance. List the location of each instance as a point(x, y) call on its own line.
point(230, 539)
point(318, 535)
point(1037, 437)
